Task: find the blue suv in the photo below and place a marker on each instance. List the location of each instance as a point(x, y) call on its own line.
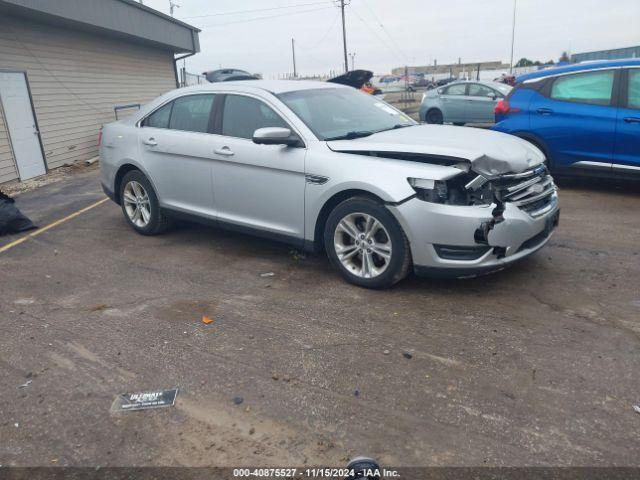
point(584, 117)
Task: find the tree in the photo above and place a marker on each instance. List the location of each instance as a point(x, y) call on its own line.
point(564, 58)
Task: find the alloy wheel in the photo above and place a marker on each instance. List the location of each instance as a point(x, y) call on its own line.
point(362, 245)
point(136, 204)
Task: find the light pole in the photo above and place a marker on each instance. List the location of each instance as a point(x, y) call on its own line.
point(344, 35)
point(293, 51)
point(353, 60)
point(513, 34)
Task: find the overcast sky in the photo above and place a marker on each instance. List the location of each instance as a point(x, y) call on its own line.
point(390, 33)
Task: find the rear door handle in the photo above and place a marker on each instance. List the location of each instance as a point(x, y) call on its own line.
point(226, 151)
point(544, 111)
point(632, 120)
point(151, 142)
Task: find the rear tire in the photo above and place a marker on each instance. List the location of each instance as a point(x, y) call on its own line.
point(434, 116)
point(140, 205)
point(366, 244)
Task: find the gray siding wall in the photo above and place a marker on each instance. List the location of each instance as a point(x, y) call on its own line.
point(76, 79)
point(7, 165)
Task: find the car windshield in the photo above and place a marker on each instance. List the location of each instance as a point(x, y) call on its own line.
point(343, 113)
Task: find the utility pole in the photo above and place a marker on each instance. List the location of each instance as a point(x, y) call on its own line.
point(293, 51)
point(344, 37)
point(353, 60)
point(513, 34)
point(172, 7)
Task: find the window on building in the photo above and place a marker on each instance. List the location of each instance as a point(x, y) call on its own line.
point(242, 116)
point(592, 88)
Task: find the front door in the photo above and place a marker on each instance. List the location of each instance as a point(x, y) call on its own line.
point(257, 186)
point(21, 125)
point(626, 157)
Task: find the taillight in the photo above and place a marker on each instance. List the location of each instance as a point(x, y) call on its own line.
point(100, 137)
point(503, 108)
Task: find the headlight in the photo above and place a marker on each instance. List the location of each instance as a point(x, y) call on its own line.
point(424, 95)
point(453, 191)
point(434, 191)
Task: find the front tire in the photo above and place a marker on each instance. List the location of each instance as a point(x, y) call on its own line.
point(434, 116)
point(366, 244)
point(140, 205)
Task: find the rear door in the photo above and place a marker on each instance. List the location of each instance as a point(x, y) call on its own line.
point(178, 153)
point(627, 150)
point(576, 118)
point(453, 100)
point(481, 103)
point(258, 187)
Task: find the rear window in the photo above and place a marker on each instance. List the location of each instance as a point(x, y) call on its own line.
point(159, 118)
point(634, 89)
point(192, 113)
point(593, 88)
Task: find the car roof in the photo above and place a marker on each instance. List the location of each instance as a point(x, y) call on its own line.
point(579, 67)
point(272, 86)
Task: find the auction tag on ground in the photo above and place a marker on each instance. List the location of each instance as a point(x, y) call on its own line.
point(146, 400)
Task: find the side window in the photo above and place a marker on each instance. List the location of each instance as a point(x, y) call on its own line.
point(159, 118)
point(458, 89)
point(242, 116)
point(191, 113)
point(591, 88)
point(476, 90)
point(634, 89)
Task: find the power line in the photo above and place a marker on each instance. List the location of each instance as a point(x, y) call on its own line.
point(256, 10)
point(385, 29)
point(375, 33)
point(265, 17)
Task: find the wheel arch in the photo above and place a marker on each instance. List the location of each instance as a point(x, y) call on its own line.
point(329, 205)
point(538, 142)
point(123, 169)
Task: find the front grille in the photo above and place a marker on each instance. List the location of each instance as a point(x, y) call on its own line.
point(532, 191)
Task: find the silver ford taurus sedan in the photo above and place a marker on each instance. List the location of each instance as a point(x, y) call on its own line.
point(320, 165)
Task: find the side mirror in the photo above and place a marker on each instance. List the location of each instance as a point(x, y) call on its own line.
point(275, 136)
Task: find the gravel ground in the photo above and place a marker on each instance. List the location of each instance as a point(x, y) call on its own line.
point(536, 365)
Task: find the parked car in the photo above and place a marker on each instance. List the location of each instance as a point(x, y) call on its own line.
point(321, 165)
point(462, 102)
point(228, 75)
point(584, 117)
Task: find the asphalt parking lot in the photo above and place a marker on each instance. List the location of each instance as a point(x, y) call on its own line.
point(536, 365)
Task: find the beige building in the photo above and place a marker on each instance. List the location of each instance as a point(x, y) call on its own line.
point(66, 64)
point(455, 68)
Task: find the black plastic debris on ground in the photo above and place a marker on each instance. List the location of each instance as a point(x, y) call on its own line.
point(129, 402)
point(11, 219)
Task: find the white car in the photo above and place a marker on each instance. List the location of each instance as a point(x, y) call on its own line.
point(324, 166)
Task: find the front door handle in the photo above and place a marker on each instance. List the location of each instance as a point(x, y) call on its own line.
point(226, 151)
point(632, 120)
point(544, 111)
point(151, 142)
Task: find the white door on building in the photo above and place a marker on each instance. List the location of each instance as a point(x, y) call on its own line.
point(21, 125)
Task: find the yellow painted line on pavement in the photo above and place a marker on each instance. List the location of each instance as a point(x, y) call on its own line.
point(50, 226)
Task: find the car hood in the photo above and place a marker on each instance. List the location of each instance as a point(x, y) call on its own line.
point(489, 153)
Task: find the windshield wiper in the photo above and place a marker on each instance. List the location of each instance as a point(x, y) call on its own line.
point(351, 135)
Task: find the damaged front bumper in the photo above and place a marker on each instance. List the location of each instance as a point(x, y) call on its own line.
point(461, 241)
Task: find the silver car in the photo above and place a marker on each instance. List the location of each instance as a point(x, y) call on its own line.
point(463, 102)
point(324, 166)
